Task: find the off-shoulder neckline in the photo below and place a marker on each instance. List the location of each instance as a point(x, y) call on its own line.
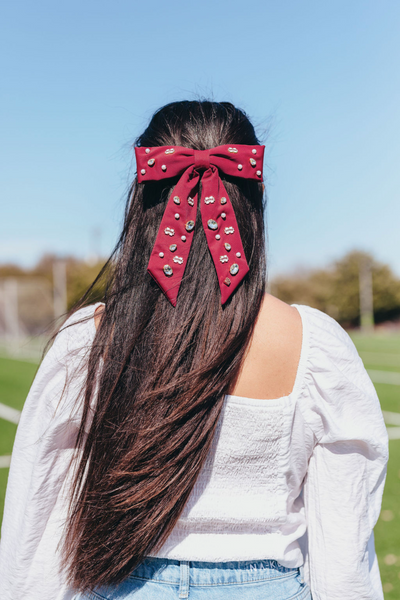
point(299, 379)
point(267, 402)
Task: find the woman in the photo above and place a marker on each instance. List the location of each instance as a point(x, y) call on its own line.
point(193, 436)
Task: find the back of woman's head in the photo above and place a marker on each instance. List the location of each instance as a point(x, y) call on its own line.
point(157, 374)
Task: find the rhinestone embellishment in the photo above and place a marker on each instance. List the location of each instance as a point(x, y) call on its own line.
point(178, 259)
point(177, 216)
point(240, 167)
point(223, 258)
point(233, 150)
point(143, 171)
point(223, 215)
point(189, 226)
point(173, 247)
point(223, 200)
point(254, 151)
point(151, 162)
point(169, 231)
point(147, 150)
point(234, 269)
point(253, 162)
point(169, 151)
point(238, 254)
point(190, 201)
point(211, 224)
point(177, 200)
point(183, 238)
point(217, 237)
point(209, 200)
point(227, 281)
point(258, 173)
point(227, 247)
point(229, 230)
point(167, 270)
point(164, 168)
point(161, 255)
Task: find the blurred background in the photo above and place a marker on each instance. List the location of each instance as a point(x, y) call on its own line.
point(321, 83)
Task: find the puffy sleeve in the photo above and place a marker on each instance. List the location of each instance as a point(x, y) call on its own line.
point(45, 439)
point(347, 468)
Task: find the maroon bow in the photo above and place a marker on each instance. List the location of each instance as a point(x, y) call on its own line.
point(171, 249)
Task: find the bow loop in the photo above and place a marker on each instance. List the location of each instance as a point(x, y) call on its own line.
point(174, 238)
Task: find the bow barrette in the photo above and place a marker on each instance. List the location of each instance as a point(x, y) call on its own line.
point(174, 238)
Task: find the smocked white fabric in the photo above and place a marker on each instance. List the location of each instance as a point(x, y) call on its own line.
point(297, 479)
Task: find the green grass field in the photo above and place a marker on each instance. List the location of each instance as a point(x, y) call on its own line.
point(379, 353)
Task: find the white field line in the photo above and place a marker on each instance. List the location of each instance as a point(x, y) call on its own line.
point(9, 414)
point(5, 462)
point(393, 433)
point(28, 358)
point(384, 377)
point(391, 418)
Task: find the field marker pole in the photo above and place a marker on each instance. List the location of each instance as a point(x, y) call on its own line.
point(366, 295)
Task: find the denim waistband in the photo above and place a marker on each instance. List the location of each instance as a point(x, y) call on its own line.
point(205, 574)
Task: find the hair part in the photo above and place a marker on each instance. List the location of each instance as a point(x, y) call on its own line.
point(157, 375)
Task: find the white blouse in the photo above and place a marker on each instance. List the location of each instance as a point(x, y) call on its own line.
point(298, 479)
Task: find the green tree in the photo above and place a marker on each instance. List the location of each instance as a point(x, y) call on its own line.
point(335, 290)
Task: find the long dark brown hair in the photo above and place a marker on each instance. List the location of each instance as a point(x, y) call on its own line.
point(157, 375)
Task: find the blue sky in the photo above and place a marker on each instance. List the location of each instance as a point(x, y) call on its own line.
point(80, 80)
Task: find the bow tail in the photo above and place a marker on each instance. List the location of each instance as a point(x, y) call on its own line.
point(222, 232)
point(171, 249)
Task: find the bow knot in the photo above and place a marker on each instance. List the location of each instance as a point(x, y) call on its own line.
point(174, 238)
point(202, 159)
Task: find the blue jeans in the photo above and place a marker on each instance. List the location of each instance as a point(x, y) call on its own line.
point(162, 579)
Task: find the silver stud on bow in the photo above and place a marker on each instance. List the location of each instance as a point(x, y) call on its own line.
point(178, 259)
point(209, 200)
point(169, 231)
point(223, 258)
point(167, 270)
point(229, 230)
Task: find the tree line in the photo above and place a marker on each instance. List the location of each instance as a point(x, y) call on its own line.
point(334, 289)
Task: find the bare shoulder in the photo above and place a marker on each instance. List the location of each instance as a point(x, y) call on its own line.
point(279, 330)
point(270, 367)
point(98, 313)
point(276, 316)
